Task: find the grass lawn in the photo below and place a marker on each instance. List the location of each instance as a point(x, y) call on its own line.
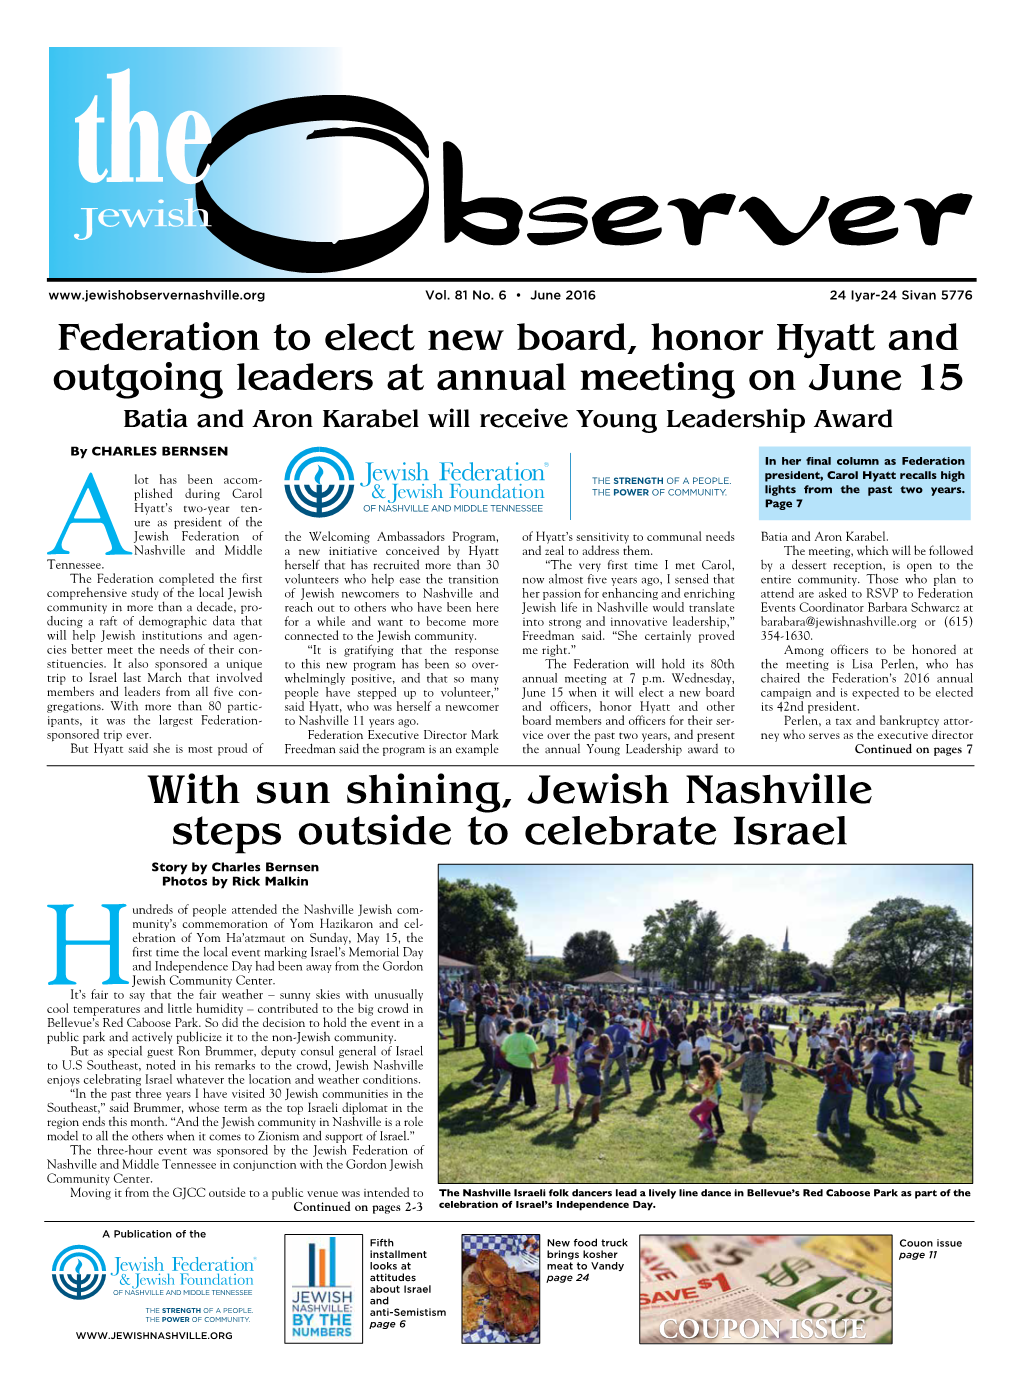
point(642, 1138)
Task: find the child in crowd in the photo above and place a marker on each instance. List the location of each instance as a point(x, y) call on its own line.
point(584, 1044)
point(551, 1034)
point(561, 1075)
point(660, 1051)
point(705, 1085)
point(717, 1112)
point(648, 1033)
point(675, 1029)
point(500, 1065)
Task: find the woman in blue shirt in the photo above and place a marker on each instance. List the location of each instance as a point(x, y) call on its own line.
point(906, 1066)
point(882, 1074)
point(584, 1044)
point(590, 1072)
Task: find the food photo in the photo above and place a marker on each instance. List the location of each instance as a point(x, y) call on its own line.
point(500, 1289)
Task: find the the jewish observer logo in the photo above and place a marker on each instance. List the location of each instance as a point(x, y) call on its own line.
point(319, 482)
point(79, 1272)
point(199, 163)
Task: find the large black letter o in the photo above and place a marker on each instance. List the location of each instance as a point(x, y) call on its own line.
point(315, 257)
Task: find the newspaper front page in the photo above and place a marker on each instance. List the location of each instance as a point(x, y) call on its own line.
point(508, 684)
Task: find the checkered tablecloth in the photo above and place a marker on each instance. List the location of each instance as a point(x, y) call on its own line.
point(505, 1246)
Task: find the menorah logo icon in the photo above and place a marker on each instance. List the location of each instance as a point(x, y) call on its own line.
point(79, 1272)
point(319, 482)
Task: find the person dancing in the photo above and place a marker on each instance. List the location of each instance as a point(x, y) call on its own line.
point(705, 1084)
point(754, 1077)
point(590, 1071)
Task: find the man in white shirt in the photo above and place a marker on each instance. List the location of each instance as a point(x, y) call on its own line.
point(456, 1012)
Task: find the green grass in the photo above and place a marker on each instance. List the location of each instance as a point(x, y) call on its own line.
point(642, 1138)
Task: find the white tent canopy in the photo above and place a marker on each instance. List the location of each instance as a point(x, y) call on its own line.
point(777, 1001)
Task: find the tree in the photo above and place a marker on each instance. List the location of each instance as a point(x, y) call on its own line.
point(476, 925)
point(725, 970)
point(793, 972)
point(683, 944)
point(748, 956)
point(821, 976)
point(589, 953)
point(961, 966)
point(667, 942)
point(904, 946)
point(547, 968)
point(708, 942)
point(767, 969)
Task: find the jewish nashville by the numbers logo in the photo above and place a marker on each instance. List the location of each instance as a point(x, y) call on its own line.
point(322, 1289)
point(79, 1272)
point(319, 482)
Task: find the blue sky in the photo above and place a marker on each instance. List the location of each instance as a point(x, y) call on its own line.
point(818, 902)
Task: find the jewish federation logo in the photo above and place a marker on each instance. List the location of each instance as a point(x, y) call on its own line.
point(319, 482)
point(79, 1272)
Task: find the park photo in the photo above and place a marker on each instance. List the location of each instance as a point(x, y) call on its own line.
point(781, 1024)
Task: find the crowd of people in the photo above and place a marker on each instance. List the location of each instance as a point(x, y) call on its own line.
point(594, 1037)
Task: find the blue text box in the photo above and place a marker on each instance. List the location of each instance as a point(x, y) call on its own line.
point(894, 483)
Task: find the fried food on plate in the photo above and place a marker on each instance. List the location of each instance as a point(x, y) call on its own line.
point(502, 1296)
point(471, 1305)
point(523, 1284)
point(520, 1315)
point(493, 1268)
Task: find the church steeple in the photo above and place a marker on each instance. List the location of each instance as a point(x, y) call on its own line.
point(786, 941)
